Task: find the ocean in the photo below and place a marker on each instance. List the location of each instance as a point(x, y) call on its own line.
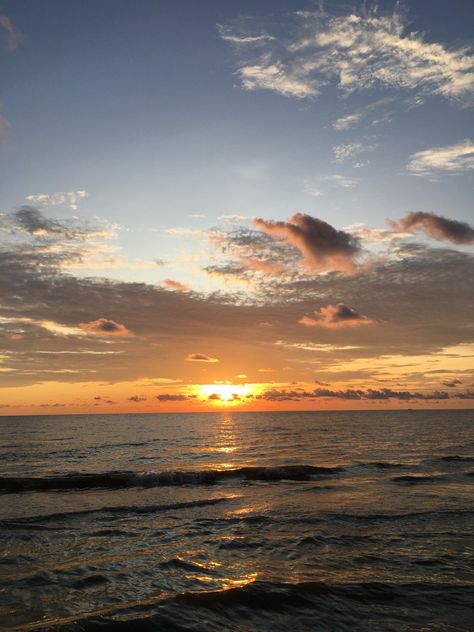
point(311, 521)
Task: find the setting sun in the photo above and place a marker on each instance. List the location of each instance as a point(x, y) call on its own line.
point(225, 393)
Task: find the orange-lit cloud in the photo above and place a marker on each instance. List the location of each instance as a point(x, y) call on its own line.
point(105, 327)
point(335, 317)
point(435, 226)
point(176, 286)
point(200, 357)
point(322, 246)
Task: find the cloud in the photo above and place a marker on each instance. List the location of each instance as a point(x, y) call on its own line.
point(34, 222)
point(339, 180)
point(357, 52)
point(105, 327)
point(227, 35)
point(175, 286)
point(335, 317)
point(350, 150)
point(136, 398)
point(435, 226)
point(12, 35)
point(61, 198)
point(199, 357)
point(322, 246)
point(452, 383)
point(171, 397)
point(278, 395)
point(451, 159)
point(348, 121)
point(29, 219)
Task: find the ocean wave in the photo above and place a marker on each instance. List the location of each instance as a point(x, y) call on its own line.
point(31, 521)
point(114, 480)
point(412, 479)
point(456, 458)
point(334, 602)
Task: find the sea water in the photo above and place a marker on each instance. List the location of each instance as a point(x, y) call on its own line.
point(238, 521)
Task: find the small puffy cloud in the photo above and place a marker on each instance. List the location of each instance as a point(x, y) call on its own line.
point(322, 246)
point(174, 397)
point(214, 396)
point(241, 376)
point(136, 398)
point(11, 34)
point(451, 159)
point(105, 327)
point(175, 286)
point(266, 370)
point(61, 198)
point(336, 317)
point(199, 357)
point(435, 226)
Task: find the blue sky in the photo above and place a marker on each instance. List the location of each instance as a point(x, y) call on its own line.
point(165, 127)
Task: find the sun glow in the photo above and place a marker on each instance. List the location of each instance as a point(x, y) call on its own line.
point(225, 393)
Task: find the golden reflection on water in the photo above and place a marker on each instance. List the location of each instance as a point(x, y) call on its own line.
point(240, 582)
point(226, 440)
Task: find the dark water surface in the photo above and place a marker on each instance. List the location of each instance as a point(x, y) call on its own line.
point(238, 521)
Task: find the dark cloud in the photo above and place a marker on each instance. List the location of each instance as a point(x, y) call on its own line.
point(349, 394)
point(105, 327)
point(199, 357)
point(452, 383)
point(322, 246)
point(435, 226)
point(33, 221)
point(136, 398)
point(335, 317)
point(171, 397)
point(469, 394)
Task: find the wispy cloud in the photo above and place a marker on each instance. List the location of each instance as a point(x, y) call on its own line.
point(346, 151)
point(338, 180)
point(60, 198)
point(12, 35)
point(451, 159)
point(357, 51)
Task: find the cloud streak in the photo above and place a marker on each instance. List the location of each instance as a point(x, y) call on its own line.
point(435, 226)
point(452, 159)
point(200, 357)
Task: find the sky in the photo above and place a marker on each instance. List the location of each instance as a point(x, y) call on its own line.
point(249, 205)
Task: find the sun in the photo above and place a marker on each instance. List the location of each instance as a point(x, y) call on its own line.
point(224, 393)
